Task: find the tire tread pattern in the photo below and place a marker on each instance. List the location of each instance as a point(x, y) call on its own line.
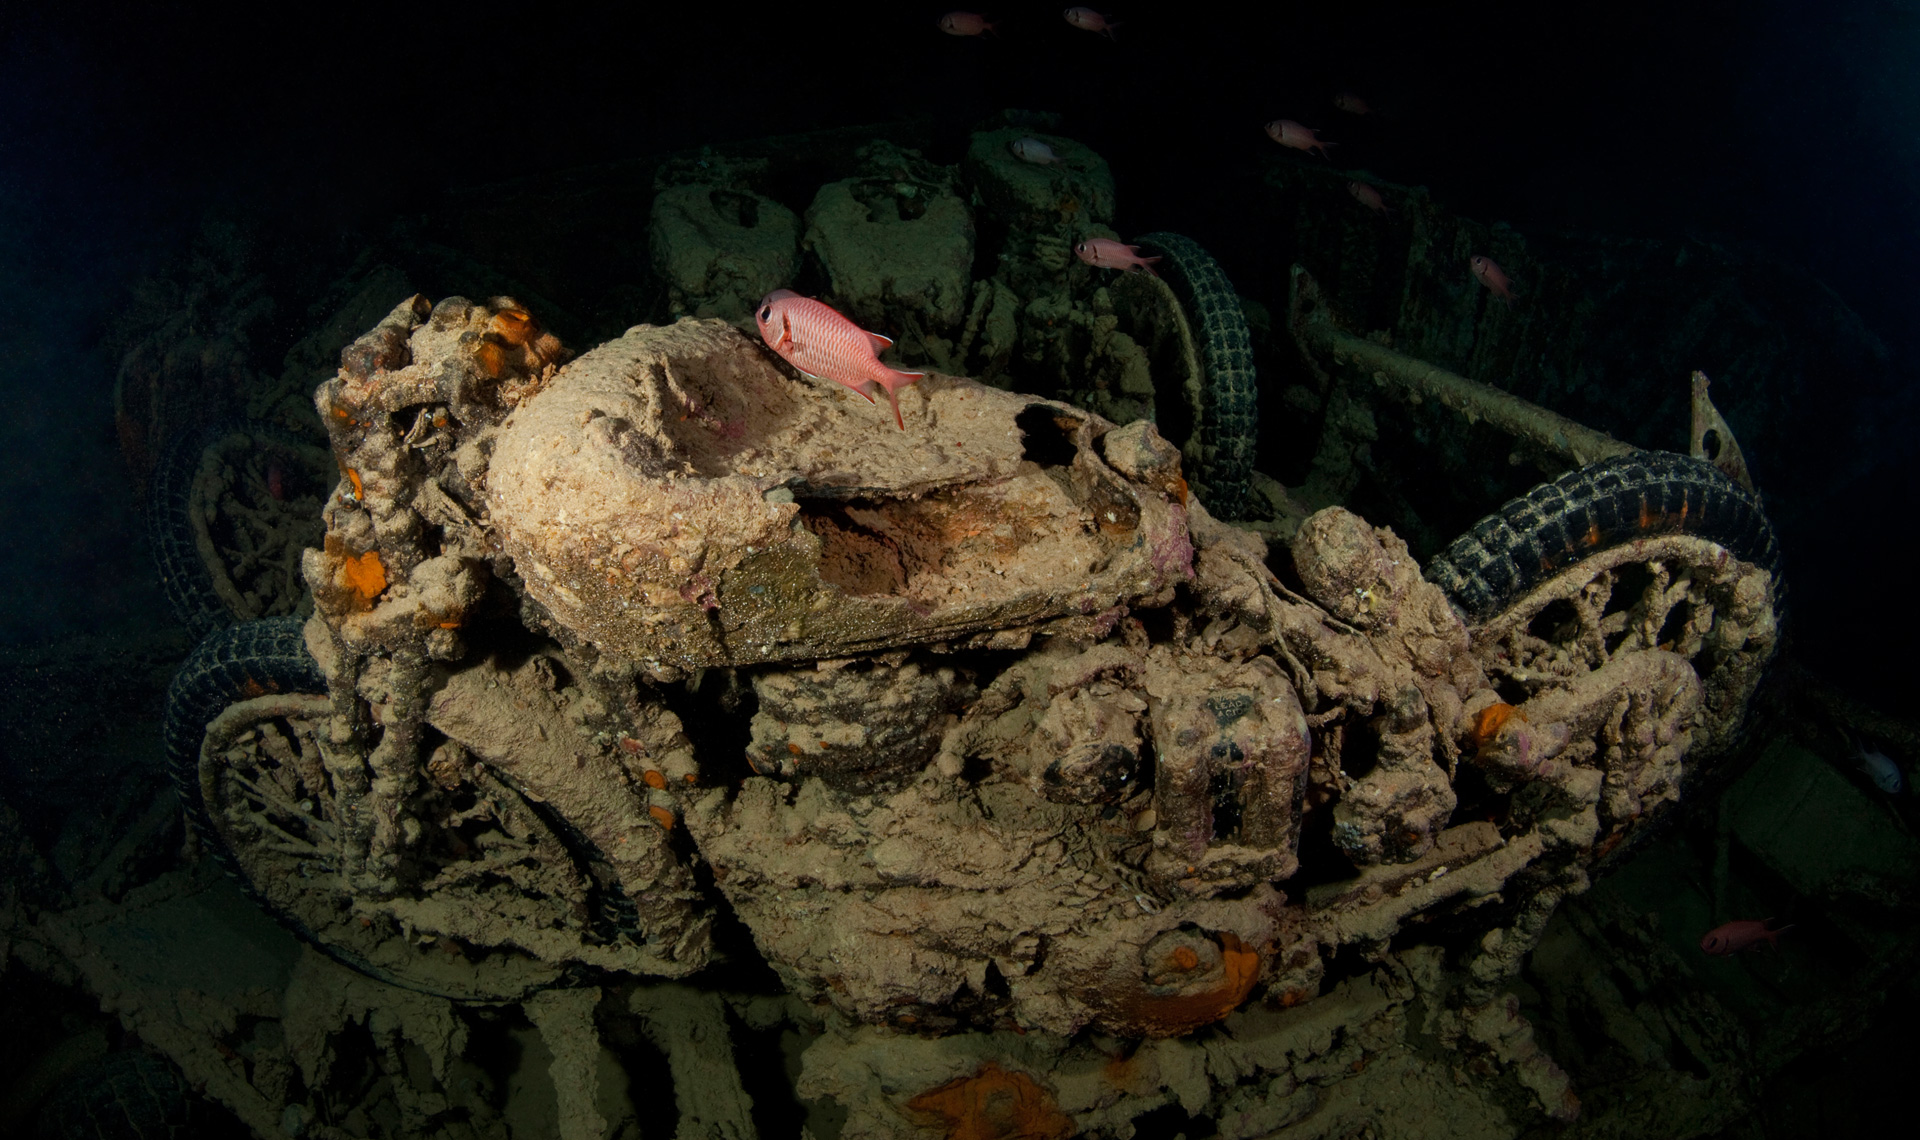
point(170, 532)
point(1226, 424)
point(1595, 508)
point(230, 664)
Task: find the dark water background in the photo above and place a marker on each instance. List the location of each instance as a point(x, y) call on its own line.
point(1790, 128)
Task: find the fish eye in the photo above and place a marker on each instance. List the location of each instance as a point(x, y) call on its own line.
point(766, 314)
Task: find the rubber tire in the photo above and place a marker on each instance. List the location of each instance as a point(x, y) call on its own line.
point(1595, 508)
point(1225, 426)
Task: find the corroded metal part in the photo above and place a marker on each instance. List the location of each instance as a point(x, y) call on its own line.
point(677, 498)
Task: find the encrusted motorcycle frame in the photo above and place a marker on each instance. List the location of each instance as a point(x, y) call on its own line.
point(1035, 740)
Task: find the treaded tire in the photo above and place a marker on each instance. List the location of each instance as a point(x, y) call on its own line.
point(193, 587)
point(1594, 508)
point(170, 532)
point(237, 663)
point(231, 664)
point(269, 656)
point(1224, 424)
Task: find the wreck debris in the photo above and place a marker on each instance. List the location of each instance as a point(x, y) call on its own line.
point(1414, 381)
point(691, 1027)
point(1712, 440)
point(1406, 634)
point(229, 509)
point(858, 725)
point(716, 240)
point(679, 501)
point(1086, 834)
point(896, 243)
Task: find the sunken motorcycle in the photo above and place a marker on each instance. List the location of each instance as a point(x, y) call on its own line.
point(984, 723)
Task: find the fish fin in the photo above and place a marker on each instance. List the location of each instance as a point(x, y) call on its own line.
point(894, 380)
point(880, 343)
point(866, 391)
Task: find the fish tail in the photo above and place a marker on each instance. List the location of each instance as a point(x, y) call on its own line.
point(894, 380)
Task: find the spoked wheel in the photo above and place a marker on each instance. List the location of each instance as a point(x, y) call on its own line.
point(493, 897)
point(1677, 594)
point(230, 509)
point(1635, 601)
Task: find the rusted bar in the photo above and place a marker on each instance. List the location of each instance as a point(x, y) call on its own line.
point(1415, 381)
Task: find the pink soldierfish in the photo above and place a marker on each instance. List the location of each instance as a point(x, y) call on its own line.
point(1090, 20)
point(1288, 133)
point(1352, 104)
point(817, 340)
point(1743, 934)
point(1035, 151)
point(1105, 253)
point(1369, 197)
point(1487, 271)
point(965, 24)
